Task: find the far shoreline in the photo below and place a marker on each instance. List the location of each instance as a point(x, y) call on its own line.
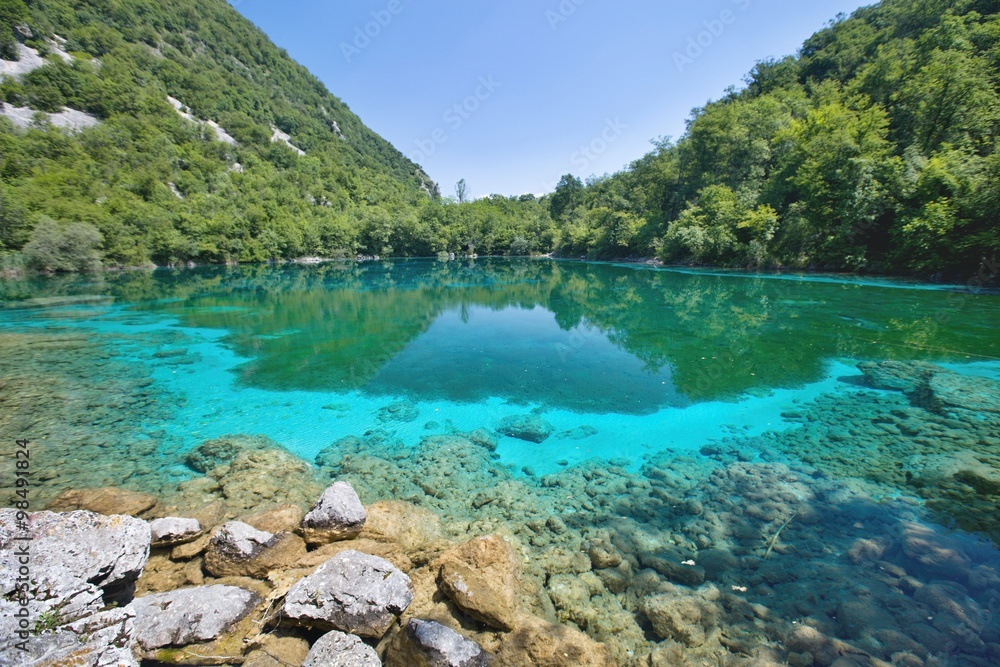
point(982, 282)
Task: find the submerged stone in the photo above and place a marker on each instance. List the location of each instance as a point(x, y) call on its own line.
point(219, 451)
point(904, 376)
point(968, 392)
point(537, 642)
point(579, 433)
point(525, 427)
point(106, 501)
point(682, 618)
point(400, 411)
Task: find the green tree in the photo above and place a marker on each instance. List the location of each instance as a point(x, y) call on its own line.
point(568, 195)
point(53, 247)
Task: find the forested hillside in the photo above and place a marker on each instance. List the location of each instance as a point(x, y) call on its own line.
point(875, 149)
point(162, 187)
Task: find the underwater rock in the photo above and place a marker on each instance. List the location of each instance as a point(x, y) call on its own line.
point(682, 618)
point(189, 615)
point(170, 531)
point(578, 433)
point(525, 427)
point(412, 528)
point(481, 578)
point(679, 572)
point(483, 438)
point(603, 555)
point(941, 471)
point(423, 643)
point(219, 451)
point(904, 376)
point(537, 642)
point(240, 550)
point(934, 552)
point(968, 392)
point(352, 592)
point(100, 640)
point(106, 501)
point(824, 650)
point(337, 515)
point(331, 455)
point(716, 562)
point(259, 478)
point(336, 649)
point(400, 411)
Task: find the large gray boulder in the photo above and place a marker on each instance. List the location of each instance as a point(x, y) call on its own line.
point(240, 541)
point(430, 644)
point(352, 592)
point(107, 551)
point(337, 515)
point(336, 649)
point(238, 549)
point(76, 563)
point(189, 615)
point(525, 427)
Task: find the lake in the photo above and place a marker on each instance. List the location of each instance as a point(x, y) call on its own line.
point(681, 415)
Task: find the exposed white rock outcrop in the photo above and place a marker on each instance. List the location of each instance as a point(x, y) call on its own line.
point(279, 136)
point(185, 113)
point(29, 60)
point(68, 119)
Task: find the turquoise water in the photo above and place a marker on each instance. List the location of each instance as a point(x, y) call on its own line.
point(647, 359)
point(677, 386)
point(306, 355)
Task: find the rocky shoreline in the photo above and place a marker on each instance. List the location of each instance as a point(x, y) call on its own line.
point(754, 552)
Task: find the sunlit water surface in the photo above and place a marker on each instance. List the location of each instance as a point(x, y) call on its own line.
point(623, 362)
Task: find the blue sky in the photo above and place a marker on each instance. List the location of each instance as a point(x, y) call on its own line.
point(511, 95)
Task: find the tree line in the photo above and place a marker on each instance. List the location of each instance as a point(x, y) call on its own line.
point(874, 149)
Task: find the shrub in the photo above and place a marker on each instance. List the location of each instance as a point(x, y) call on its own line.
point(53, 247)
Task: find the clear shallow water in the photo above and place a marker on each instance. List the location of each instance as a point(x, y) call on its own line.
point(647, 358)
point(669, 377)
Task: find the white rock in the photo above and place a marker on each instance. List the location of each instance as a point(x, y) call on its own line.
point(352, 592)
point(189, 615)
point(337, 515)
point(336, 649)
point(173, 530)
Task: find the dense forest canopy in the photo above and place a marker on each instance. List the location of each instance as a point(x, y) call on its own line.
point(873, 149)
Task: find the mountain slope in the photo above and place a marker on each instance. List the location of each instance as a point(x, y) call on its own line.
point(299, 172)
point(875, 149)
